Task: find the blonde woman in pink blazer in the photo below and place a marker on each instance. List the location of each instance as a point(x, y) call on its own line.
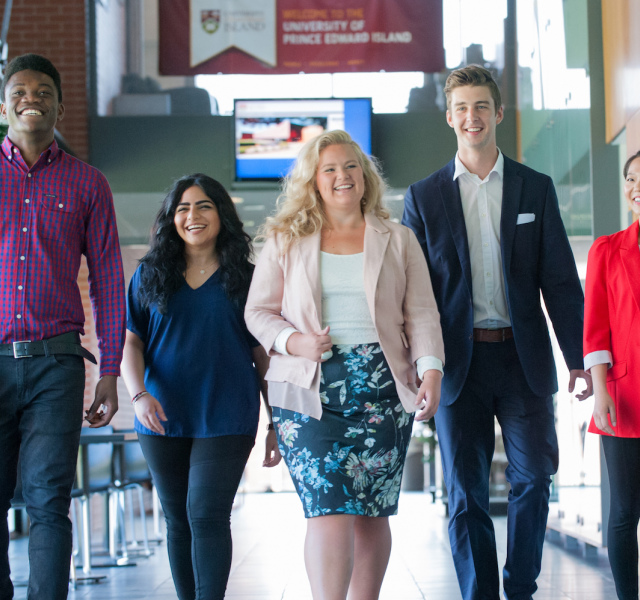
point(341, 300)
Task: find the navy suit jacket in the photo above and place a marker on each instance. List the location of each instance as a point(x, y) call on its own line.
point(536, 257)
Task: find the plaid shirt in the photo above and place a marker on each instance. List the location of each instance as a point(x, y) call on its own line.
point(53, 213)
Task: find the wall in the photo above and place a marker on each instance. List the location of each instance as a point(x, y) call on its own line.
point(621, 57)
point(605, 168)
point(143, 154)
point(110, 52)
point(621, 50)
point(150, 48)
point(57, 30)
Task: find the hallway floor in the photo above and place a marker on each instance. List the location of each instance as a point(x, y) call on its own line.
point(268, 533)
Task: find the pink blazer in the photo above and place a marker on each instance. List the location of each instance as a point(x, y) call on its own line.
point(612, 321)
point(286, 292)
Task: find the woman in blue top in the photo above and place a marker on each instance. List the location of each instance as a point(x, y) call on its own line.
point(189, 366)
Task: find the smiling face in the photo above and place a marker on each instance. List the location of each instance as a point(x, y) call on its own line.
point(31, 106)
point(474, 118)
point(632, 187)
point(196, 220)
point(339, 179)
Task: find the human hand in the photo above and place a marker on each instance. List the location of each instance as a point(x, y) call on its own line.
point(310, 345)
point(149, 412)
point(105, 403)
point(272, 454)
point(579, 373)
point(428, 398)
point(604, 407)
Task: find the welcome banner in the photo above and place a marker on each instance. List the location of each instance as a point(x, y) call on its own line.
point(290, 36)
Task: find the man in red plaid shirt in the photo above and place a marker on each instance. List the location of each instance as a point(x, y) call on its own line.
point(55, 208)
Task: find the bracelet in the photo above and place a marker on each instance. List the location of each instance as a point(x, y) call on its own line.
point(138, 396)
point(270, 427)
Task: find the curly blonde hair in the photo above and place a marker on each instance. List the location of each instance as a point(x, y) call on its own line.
point(300, 210)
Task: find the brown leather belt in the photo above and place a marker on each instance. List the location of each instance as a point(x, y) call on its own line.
point(492, 335)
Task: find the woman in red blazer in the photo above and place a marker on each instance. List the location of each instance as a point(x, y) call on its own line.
point(612, 354)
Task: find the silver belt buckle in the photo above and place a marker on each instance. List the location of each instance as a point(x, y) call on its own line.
point(15, 350)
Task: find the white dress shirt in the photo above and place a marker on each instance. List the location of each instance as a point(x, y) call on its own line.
point(482, 208)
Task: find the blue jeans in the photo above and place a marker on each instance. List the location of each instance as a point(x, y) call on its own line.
point(41, 402)
point(197, 480)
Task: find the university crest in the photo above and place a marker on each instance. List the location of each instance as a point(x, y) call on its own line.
point(210, 20)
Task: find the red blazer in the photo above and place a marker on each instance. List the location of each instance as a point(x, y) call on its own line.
point(612, 321)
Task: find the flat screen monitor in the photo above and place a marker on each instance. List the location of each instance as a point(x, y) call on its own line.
point(269, 133)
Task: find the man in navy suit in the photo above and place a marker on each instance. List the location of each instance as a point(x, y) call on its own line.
point(491, 231)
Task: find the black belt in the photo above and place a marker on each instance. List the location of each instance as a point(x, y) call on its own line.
point(492, 335)
point(67, 343)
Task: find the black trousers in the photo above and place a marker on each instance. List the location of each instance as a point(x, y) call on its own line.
point(623, 463)
point(197, 480)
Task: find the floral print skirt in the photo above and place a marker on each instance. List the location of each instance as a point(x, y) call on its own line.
point(351, 460)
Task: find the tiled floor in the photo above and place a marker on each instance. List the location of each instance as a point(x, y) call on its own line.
point(268, 533)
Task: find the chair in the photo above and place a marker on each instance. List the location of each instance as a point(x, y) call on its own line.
point(94, 476)
point(191, 101)
point(131, 473)
point(17, 502)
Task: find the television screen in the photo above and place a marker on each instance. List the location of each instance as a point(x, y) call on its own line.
point(269, 133)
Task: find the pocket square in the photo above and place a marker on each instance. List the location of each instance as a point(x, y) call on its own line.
point(525, 218)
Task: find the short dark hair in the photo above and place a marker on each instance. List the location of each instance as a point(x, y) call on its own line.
point(32, 62)
point(474, 75)
point(625, 171)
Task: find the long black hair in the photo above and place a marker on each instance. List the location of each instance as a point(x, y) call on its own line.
point(165, 263)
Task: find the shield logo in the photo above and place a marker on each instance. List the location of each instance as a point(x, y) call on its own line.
point(210, 20)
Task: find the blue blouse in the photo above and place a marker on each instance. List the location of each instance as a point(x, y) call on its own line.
point(198, 361)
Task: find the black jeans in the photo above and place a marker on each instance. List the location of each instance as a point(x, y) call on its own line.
point(623, 464)
point(40, 419)
point(197, 480)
